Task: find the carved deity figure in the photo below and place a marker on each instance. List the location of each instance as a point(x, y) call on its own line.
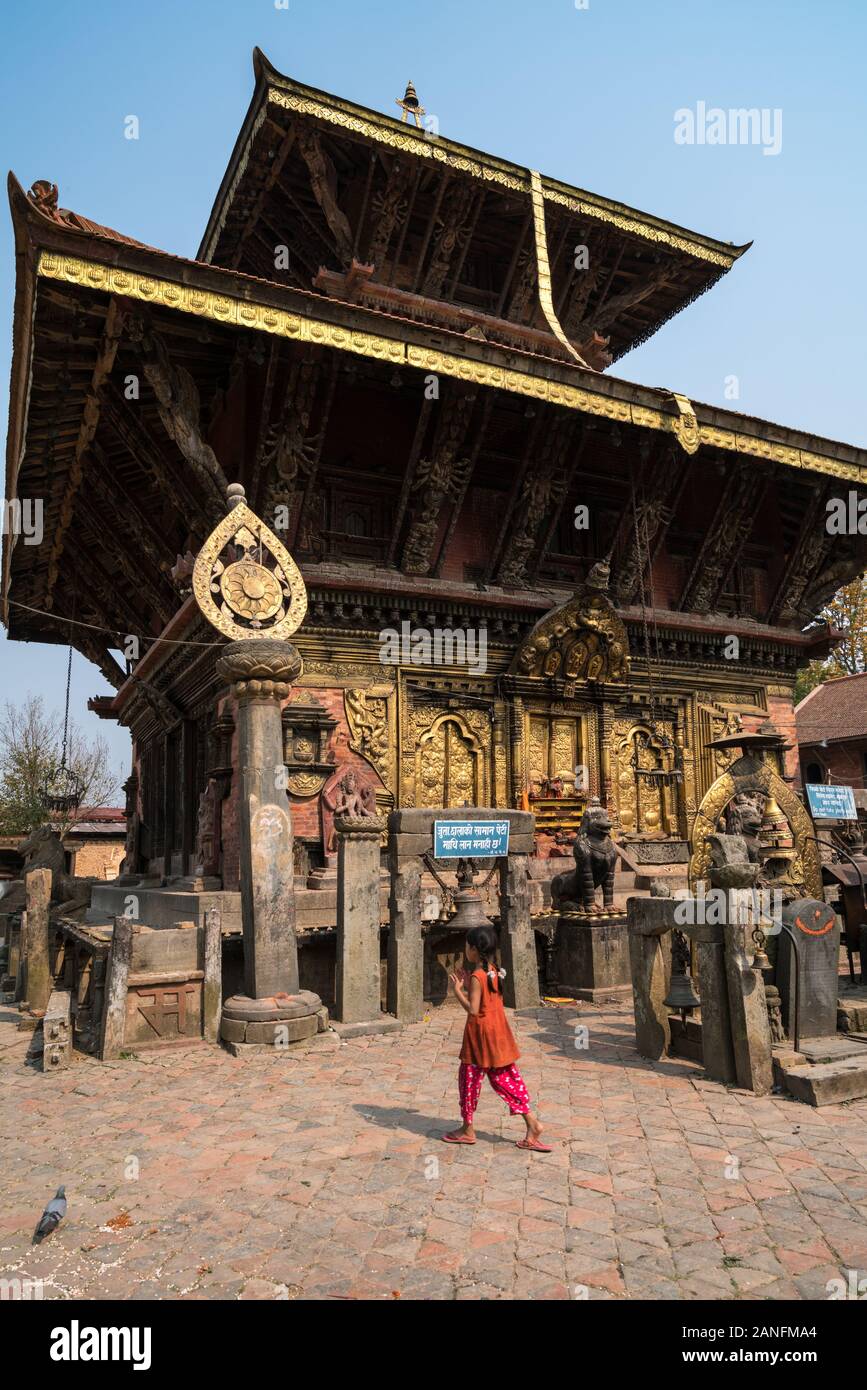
point(344, 794)
point(207, 834)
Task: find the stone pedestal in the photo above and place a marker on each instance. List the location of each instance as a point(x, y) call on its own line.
point(592, 956)
point(274, 1011)
point(358, 969)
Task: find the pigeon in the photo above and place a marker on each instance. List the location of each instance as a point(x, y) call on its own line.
point(51, 1217)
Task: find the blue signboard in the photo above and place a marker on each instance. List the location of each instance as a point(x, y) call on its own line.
point(831, 803)
point(471, 839)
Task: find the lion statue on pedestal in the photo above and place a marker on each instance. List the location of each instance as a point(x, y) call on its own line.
point(595, 863)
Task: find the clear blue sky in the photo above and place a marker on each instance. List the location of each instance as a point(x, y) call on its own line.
point(588, 96)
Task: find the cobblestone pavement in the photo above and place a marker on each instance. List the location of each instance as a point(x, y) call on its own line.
point(191, 1174)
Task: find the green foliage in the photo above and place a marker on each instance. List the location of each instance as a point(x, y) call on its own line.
point(30, 757)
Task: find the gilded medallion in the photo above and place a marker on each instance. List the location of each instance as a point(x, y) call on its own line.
point(245, 581)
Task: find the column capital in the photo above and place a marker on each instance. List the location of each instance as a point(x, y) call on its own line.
point(360, 827)
point(260, 668)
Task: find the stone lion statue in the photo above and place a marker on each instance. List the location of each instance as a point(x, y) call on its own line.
point(43, 849)
point(595, 862)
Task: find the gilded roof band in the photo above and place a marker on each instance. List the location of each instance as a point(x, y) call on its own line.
point(244, 313)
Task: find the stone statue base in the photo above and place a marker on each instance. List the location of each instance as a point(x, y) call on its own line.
point(591, 955)
point(277, 1023)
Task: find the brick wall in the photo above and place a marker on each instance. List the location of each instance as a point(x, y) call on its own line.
point(96, 858)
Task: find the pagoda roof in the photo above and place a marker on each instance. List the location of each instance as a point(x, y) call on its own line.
point(373, 192)
point(87, 298)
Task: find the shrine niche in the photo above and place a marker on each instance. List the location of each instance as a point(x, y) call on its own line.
point(752, 794)
point(307, 730)
point(646, 778)
point(582, 640)
point(449, 758)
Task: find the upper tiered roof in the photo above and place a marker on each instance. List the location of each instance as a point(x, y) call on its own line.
point(370, 208)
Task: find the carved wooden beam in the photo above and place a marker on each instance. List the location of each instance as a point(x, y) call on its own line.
point(731, 527)
point(464, 483)
point(543, 490)
point(256, 210)
point(439, 479)
point(179, 409)
point(659, 482)
point(114, 322)
point(409, 477)
point(126, 420)
point(314, 445)
point(813, 547)
point(323, 181)
point(635, 294)
point(559, 500)
point(390, 209)
point(531, 445)
point(111, 518)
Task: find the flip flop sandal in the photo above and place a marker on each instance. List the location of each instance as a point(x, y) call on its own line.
point(456, 1139)
point(534, 1146)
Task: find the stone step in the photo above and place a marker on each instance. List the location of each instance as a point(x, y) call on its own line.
point(830, 1083)
point(834, 1049)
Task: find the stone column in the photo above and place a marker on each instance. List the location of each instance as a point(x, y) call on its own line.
point(212, 963)
point(517, 938)
point(716, 1029)
point(751, 1034)
point(117, 976)
point(261, 672)
point(650, 920)
point(405, 945)
point(35, 940)
point(358, 969)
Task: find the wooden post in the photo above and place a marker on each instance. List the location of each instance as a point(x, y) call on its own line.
point(212, 964)
point(114, 1009)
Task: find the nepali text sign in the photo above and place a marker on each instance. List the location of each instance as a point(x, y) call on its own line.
point(471, 839)
point(831, 803)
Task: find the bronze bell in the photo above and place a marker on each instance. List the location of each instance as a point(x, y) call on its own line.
point(682, 995)
point(468, 904)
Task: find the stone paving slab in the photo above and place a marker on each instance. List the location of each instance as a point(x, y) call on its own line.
point(191, 1174)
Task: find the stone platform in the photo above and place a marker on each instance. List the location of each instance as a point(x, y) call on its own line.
point(591, 956)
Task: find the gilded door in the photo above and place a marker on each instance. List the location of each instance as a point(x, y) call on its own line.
point(449, 765)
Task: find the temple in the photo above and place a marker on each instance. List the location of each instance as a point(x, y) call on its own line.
point(530, 583)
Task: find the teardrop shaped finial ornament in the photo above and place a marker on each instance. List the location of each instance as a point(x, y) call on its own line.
point(245, 581)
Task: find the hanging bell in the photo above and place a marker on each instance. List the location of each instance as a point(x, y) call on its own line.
point(469, 912)
point(682, 995)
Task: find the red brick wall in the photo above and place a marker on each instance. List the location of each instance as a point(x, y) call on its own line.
point(844, 761)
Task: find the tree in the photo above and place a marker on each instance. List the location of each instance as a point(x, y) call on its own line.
point(846, 613)
point(30, 756)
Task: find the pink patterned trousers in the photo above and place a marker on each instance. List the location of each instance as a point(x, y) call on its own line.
point(506, 1081)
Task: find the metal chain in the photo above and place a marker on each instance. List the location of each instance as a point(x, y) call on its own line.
point(66, 713)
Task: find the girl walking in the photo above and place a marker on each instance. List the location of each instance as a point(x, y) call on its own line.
point(489, 1047)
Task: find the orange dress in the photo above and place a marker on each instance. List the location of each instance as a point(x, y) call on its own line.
point(488, 1039)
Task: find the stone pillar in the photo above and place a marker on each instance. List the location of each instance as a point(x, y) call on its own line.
point(117, 975)
point(405, 945)
point(212, 964)
point(517, 938)
point(358, 969)
point(35, 940)
point(750, 1030)
point(650, 920)
point(261, 671)
point(716, 1029)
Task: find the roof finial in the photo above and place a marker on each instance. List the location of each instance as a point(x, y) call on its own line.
point(411, 106)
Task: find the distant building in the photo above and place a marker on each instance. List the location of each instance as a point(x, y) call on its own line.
point(832, 732)
point(94, 845)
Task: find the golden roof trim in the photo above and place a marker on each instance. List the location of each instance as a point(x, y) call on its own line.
point(235, 311)
point(488, 169)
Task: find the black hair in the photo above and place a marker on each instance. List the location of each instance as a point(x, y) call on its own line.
point(484, 940)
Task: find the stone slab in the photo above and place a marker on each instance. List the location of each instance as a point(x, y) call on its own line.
point(831, 1083)
point(163, 907)
point(833, 1049)
point(372, 1027)
point(325, 1042)
point(418, 820)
